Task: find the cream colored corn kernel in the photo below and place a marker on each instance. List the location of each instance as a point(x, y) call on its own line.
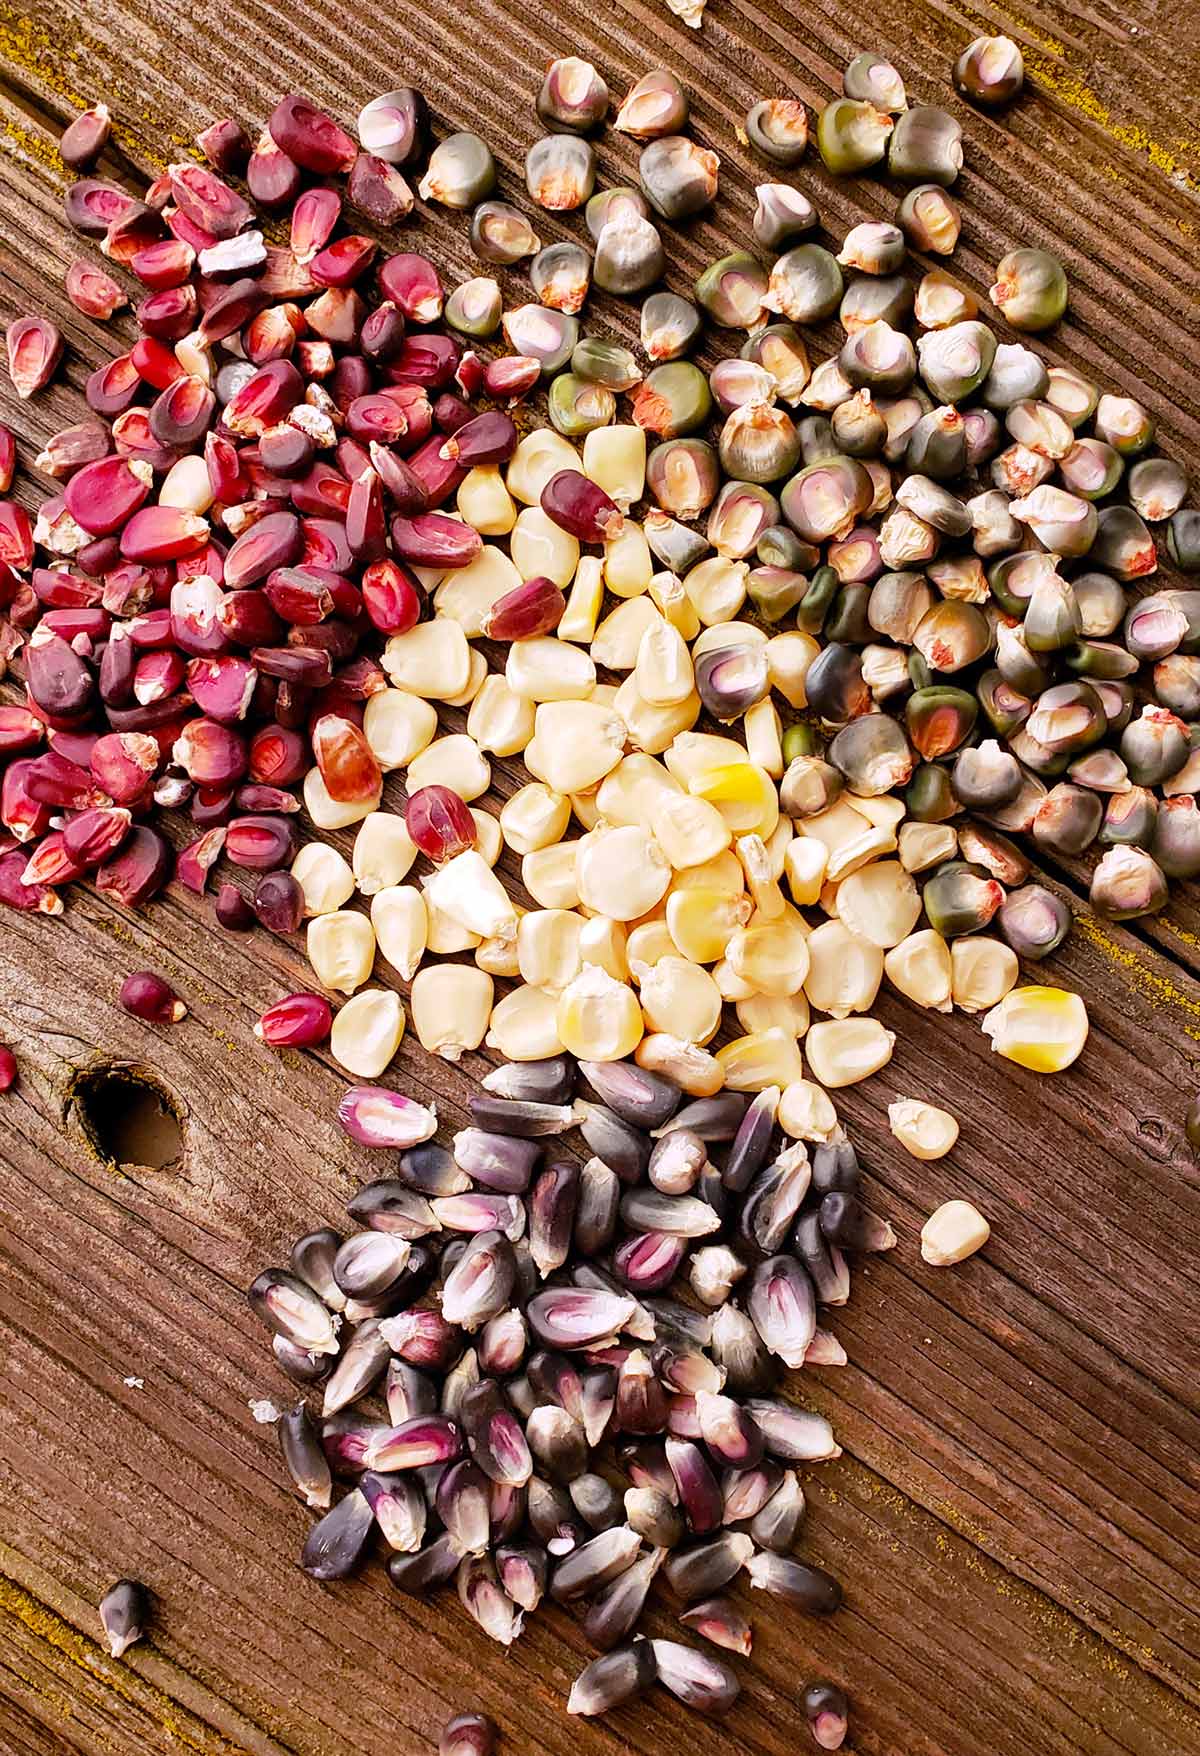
point(844, 971)
point(842, 1051)
point(539, 455)
point(187, 485)
point(605, 695)
point(666, 590)
point(467, 594)
point(383, 852)
point(663, 673)
point(635, 790)
point(476, 676)
point(879, 902)
point(534, 817)
point(498, 957)
point(603, 941)
point(367, 1032)
point(884, 811)
point(724, 634)
point(500, 722)
point(804, 863)
point(652, 728)
point(647, 944)
point(788, 659)
point(324, 876)
point(329, 813)
point(628, 565)
point(922, 1129)
point(723, 872)
point(451, 1004)
point(777, 844)
point(982, 972)
point(401, 924)
point(923, 845)
point(341, 949)
point(398, 726)
point(786, 1012)
point(547, 669)
point(542, 549)
point(920, 968)
point(694, 754)
point(548, 874)
point(615, 459)
point(485, 502)
point(489, 840)
point(849, 839)
point(689, 1066)
point(585, 810)
point(584, 601)
point(523, 1026)
point(548, 954)
point(702, 922)
point(454, 761)
point(574, 745)
point(763, 730)
point(621, 873)
point(766, 1057)
point(953, 1231)
point(772, 957)
point(432, 660)
point(467, 889)
point(761, 880)
point(716, 589)
point(678, 996)
point(730, 985)
point(445, 934)
point(807, 1112)
point(689, 830)
point(598, 1019)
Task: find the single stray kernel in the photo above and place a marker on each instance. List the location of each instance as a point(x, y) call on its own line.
point(145, 995)
point(922, 1129)
point(953, 1232)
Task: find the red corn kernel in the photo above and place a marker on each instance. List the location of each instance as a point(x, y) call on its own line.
point(352, 377)
point(83, 140)
point(314, 216)
point(134, 440)
point(157, 675)
point(159, 194)
point(163, 533)
point(418, 411)
point(75, 746)
point(30, 897)
point(147, 996)
point(301, 595)
point(195, 610)
point(207, 201)
point(348, 765)
point(51, 864)
point(470, 374)
point(128, 589)
point(59, 682)
point(411, 282)
point(186, 231)
point(11, 586)
point(169, 315)
point(298, 1022)
point(337, 315)
point(325, 544)
point(428, 359)
point(404, 487)
point(56, 780)
point(433, 540)
point(438, 475)
point(316, 358)
point(136, 227)
point(8, 1068)
point(382, 334)
point(16, 535)
point(222, 687)
point(512, 376)
point(181, 413)
point(211, 754)
point(20, 731)
point(8, 459)
point(35, 347)
point(341, 263)
point(309, 137)
point(96, 834)
point(226, 476)
point(93, 291)
point(138, 870)
point(110, 389)
point(536, 607)
point(322, 490)
point(86, 621)
point(366, 524)
point(197, 860)
point(247, 619)
point(104, 495)
point(22, 815)
point(391, 597)
point(272, 177)
point(166, 263)
point(376, 417)
point(275, 541)
point(286, 451)
point(378, 190)
point(211, 806)
point(123, 764)
point(440, 823)
point(225, 145)
point(360, 679)
point(92, 205)
point(232, 307)
point(69, 450)
point(262, 844)
point(277, 756)
point(272, 334)
point(152, 629)
point(155, 364)
point(265, 400)
point(232, 910)
point(352, 458)
point(278, 902)
point(253, 797)
point(487, 438)
point(577, 505)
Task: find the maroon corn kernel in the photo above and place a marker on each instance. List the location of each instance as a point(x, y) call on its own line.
point(300, 1021)
point(352, 459)
point(72, 448)
point(391, 597)
point(14, 893)
point(348, 765)
point(138, 871)
point(512, 376)
point(247, 619)
point(96, 834)
point(164, 720)
point(83, 140)
point(254, 796)
point(487, 438)
point(101, 559)
point(166, 263)
point(20, 731)
point(300, 595)
point(101, 496)
point(225, 145)
point(58, 680)
point(197, 860)
point(145, 995)
point(322, 490)
point(314, 217)
point(155, 364)
point(577, 505)
point(379, 191)
point(35, 346)
point(187, 231)
point(211, 754)
point(8, 1068)
point(93, 291)
point(306, 666)
point(275, 541)
point(536, 607)
point(194, 617)
point(157, 675)
point(232, 910)
point(404, 488)
point(411, 282)
point(360, 679)
point(207, 201)
point(134, 441)
point(261, 844)
point(136, 227)
point(418, 412)
point(378, 418)
point(450, 412)
point(366, 524)
point(428, 359)
point(91, 205)
point(211, 806)
point(277, 756)
point(16, 535)
point(162, 533)
point(278, 902)
point(264, 401)
point(335, 639)
point(233, 306)
point(76, 747)
point(123, 763)
point(272, 177)
point(51, 864)
point(440, 823)
point(8, 459)
point(110, 389)
point(11, 586)
point(341, 263)
point(180, 414)
point(286, 450)
point(310, 138)
point(433, 540)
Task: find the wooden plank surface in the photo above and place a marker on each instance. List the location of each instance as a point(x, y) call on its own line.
point(1015, 1515)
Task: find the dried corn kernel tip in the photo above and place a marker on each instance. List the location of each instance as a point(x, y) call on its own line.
point(398, 726)
point(651, 728)
point(432, 660)
point(954, 1231)
point(489, 839)
point(324, 877)
point(716, 588)
point(678, 996)
point(535, 817)
point(548, 947)
point(523, 1025)
point(806, 1112)
point(574, 745)
point(451, 1004)
point(455, 761)
point(771, 957)
point(767, 1057)
point(541, 549)
point(786, 1012)
point(539, 456)
point(777, 844)
point(689, 1066)
point(341, 949)
point(842, 1051)
point(648, 944)
point(444, 934)
point(690, 831)
point(548, 874)
point(603, 940)
point(498, 957)
point(383, 852)
point(328, 813)
point(547, 669)
point(583, 600)
point(922, 1129)
point(615, 459)
point(743, 793)
point(500, 721)
point(702, 922)
point(401, 924)
point(367, 1032)
point(674, 605)
point(982, 972)
point(467, 890)
point(477, 672)
point(468, 594)
point(598, 1019)
point(804, 863)
point(485, 502)
point(788, 659)
point(621, 872)
point(920, 968)
point(628, 564)
point(879, 902)
point(1043, 1029)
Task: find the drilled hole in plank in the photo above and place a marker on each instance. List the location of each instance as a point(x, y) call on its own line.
point(130, 1118)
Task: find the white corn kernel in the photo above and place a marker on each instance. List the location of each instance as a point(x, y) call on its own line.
point(539, 455)
point(676, 607)
point(615, 459)
point(383, 852)
point(761, 882)
point(398, 726)
point(879, 902)
point(598, 1019)
point(804, 862)
point(489, 838)
point(628, 565)
point(485, 502)
point(663, 672)
point(689, 830)
point(849, 839)
point(922, 1129)
point(702, 922)
point(982, 972)
point(194, 357)
point(584, 808)
point(455, 761)
point(621, 872)
point(583, 601)
point(920, 968)
point(432, 660)
point(786, 1012)
point(765, 1057)
point(476, 673)
point(341, 949)
point(953, 1232)
point(764, 737)
point(885, 811)
point(445, 934)
point(451, 1004)
point(367, 1031)
point(498, 957)
point(603, 940)
point(534, 817)
point(618, 639)
point(678, 996)
point(324, 877)
point(636, 790)
point(548, 953)
point(467, 594)
point(926, 844)
point(722, 873)
point(841, 1051)
point(788, 659)
point(723, 634)
point(466, 889)
point(187, 485)
point(547, 669)
point(777, 844)
point(328, 813)
point(523, 1026)
point(548, 874)
point(716, 589)
point(771, 956)
point(647, 944)
point(689, 1066)
point(542, 549)
point(499, 721)
point(574, 745)
point(652, 728)
point(401, 924)
point(1043, 1029)
point(730, 984)
point(696, 754)
point(807, 1112)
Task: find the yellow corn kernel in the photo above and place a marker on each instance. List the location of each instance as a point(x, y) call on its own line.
point(676, 607)
point(926, 844)
point(879, 902)
point(764, 737)
point(744, 794)
point(841, 1051)
point(548, 953)
point(383, 852)
point(534, 817)
point(615, 459)
point(523, 1026)
point(451, 1004)
point(548, 874)
point(1043, 1029)
point(598, 1019)
point(785, 1012)
point(690, 831)
point(432, 660)
point(574, 745)
point(982, 972)
point(603, 940)
point(772, 957)
point(539, 455)
point(584, 808)
point(663, 673)
point(401, 925)
point(761, 881)
point(498, 957)
point(367, 1031)
point(547, 669)
point(653, 728)
point(687, 1065)
point(499, 721)
point(485, 502)
point(680, 997)
point(621, 872)
point(341, 949)
point(788, 658)
point(489, 839)
point(583, 600)
point(324, 876)
point(730, 984)
point(635, 790)
point(445, 934)
point(844, 971)
point(697, 753)
point(628, 565)
point(922, 1129)
point(542, 549)
point(398, 726)
point(716, 589)
point(806, 1112)
point(920, 968)
point(617, 641)
point(328, 813)
point(646, 944)
point(455, 761)
point(721, 873)
point(804, 862)
point(467, 889)
point(766, 1057)
point(702, 922)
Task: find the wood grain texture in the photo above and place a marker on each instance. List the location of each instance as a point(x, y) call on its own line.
point(1015, 1515)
